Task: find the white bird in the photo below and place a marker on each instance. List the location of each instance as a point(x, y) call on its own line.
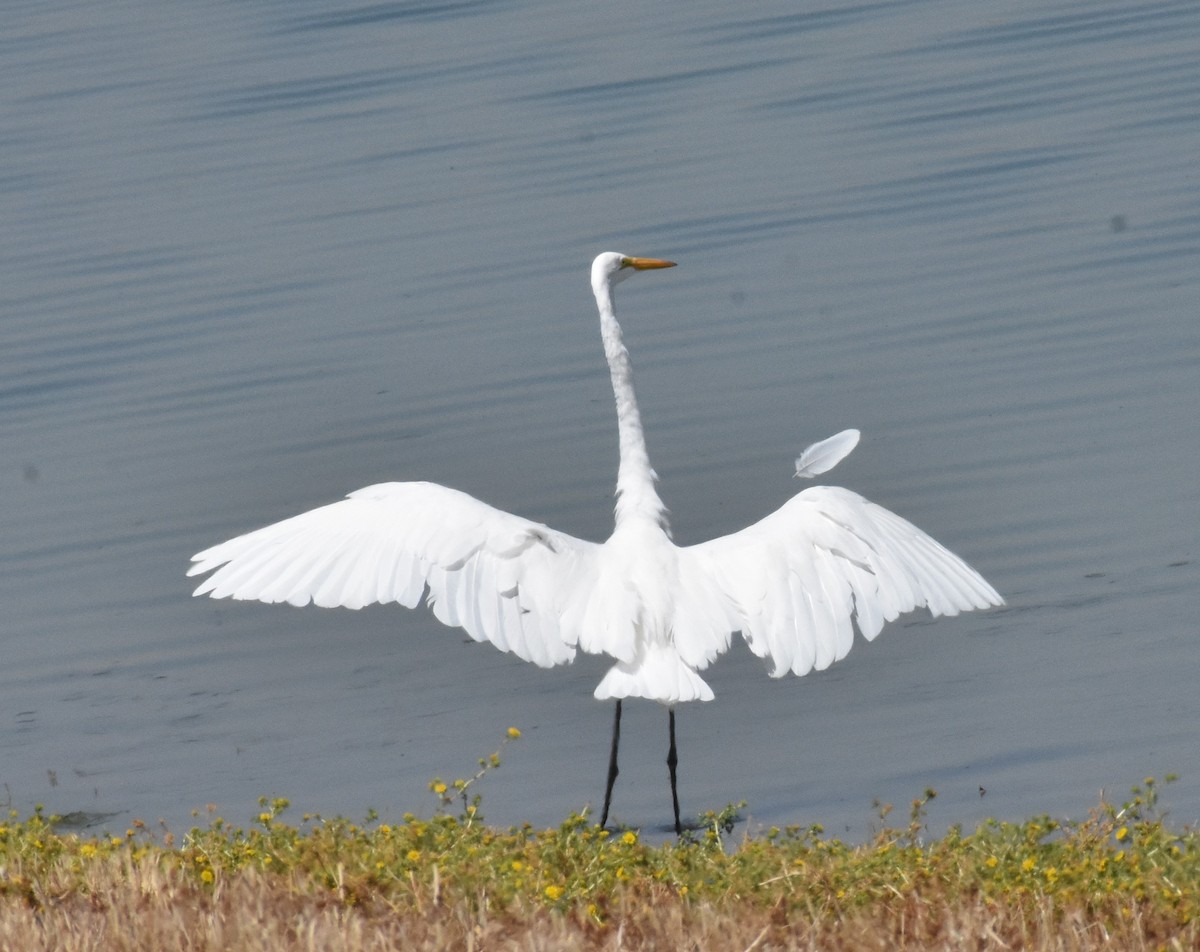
point(794, 584)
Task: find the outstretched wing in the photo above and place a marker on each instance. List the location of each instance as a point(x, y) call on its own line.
point(502, 578)
point(796, 582)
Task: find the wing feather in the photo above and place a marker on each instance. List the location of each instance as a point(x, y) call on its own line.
point(501, 578)
point(796, 583)
point(822, 457)
point(838, 598)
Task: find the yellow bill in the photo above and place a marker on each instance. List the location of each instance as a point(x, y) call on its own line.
point(646, 264)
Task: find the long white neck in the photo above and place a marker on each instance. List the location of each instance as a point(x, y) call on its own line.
point(636, 496)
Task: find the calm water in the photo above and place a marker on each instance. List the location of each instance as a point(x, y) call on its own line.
point(256, 256)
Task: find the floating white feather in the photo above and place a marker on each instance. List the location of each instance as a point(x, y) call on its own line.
point(822, 457)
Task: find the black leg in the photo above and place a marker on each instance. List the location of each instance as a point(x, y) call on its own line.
point(672, 762)
point(612, 765)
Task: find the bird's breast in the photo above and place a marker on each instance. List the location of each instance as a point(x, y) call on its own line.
point(644, 563)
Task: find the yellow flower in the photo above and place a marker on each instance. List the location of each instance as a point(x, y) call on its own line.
point(1028, 864)
point(439, 788)
point(206, 876)
point(992, 862)
point(683, 890)
point(1051, 874)
point(517, 866)
point(88, 850)
point(554, 893)
point(1122, 834)
point(629, 838)
point(513, 733)
point(414, 856)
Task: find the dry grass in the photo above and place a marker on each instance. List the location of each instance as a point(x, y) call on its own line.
point(1120, 880)
point(140, 905)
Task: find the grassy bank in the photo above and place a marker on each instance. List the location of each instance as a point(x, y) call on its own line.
point(1122, 879)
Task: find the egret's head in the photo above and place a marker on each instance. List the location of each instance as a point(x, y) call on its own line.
point(612, 268)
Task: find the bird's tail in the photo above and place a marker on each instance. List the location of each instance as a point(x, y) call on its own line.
point(657, 673)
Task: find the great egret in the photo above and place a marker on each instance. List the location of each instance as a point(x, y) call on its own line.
point(793, 583)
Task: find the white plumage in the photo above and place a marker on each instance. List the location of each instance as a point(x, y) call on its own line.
point(794, 584)
point(823, 456)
